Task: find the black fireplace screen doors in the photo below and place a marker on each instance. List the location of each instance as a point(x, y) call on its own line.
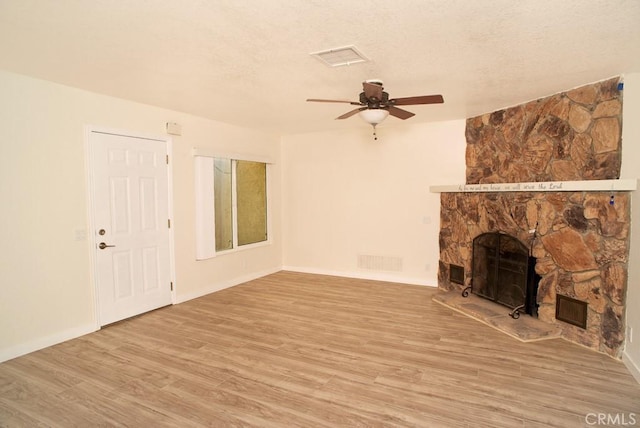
point(503, 271)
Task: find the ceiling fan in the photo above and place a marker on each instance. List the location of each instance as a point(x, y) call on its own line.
point(375, 104)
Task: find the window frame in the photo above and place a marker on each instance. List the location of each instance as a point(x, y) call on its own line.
point(236, 198)
point(205, 207)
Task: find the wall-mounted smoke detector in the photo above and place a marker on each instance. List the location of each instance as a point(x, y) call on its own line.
point(336, 57)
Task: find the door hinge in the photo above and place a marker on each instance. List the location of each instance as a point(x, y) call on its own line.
point(167, 159)
point(169, 223)
point(171, 286)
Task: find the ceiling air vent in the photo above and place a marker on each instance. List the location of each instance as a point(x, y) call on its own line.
point(337, 57)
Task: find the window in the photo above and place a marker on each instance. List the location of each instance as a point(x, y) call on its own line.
point(251, 191)
point(223, 204)
point(241, 185)
point(231, 204)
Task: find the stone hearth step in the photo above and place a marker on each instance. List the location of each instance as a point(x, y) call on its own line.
point(526, 328)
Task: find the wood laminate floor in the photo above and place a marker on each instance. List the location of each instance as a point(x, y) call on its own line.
point(305, 350)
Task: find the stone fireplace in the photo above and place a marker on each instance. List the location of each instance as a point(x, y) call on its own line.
point(579, 239)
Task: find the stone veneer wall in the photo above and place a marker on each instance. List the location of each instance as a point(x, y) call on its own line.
point(582, 239)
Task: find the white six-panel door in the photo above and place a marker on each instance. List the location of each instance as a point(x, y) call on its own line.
point(130, 204)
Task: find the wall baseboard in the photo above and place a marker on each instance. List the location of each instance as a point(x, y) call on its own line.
point(44, 342)
point(377, 276)
point(225, 284)
point(631, 366)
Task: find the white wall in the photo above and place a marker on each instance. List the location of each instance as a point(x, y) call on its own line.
point(46, 290)
point(631, 169)
point(345, 195)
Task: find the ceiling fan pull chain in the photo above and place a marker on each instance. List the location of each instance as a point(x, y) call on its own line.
point(375, 136)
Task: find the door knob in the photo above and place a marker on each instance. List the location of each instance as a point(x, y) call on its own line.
point(102, 245)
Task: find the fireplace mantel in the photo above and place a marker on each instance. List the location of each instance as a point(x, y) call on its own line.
point(619, 185)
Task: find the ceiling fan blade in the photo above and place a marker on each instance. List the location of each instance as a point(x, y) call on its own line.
point(315, 100)
point(372, 91)
point(399, 113)
point(351, 113)
point(425, 99)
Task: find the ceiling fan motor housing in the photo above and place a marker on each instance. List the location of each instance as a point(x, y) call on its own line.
point(373, 103)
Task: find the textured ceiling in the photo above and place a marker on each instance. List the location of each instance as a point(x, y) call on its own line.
point(247, 62)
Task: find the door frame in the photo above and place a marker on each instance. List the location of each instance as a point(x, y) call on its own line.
point(92, 236)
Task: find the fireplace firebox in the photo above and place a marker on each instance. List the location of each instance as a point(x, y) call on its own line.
point(504, 271)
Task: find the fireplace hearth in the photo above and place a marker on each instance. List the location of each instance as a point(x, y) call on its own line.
point(504, 272)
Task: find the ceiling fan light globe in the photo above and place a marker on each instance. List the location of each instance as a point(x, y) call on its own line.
point(374, 116)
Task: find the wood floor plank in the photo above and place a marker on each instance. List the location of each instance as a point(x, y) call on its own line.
point(294, 349)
